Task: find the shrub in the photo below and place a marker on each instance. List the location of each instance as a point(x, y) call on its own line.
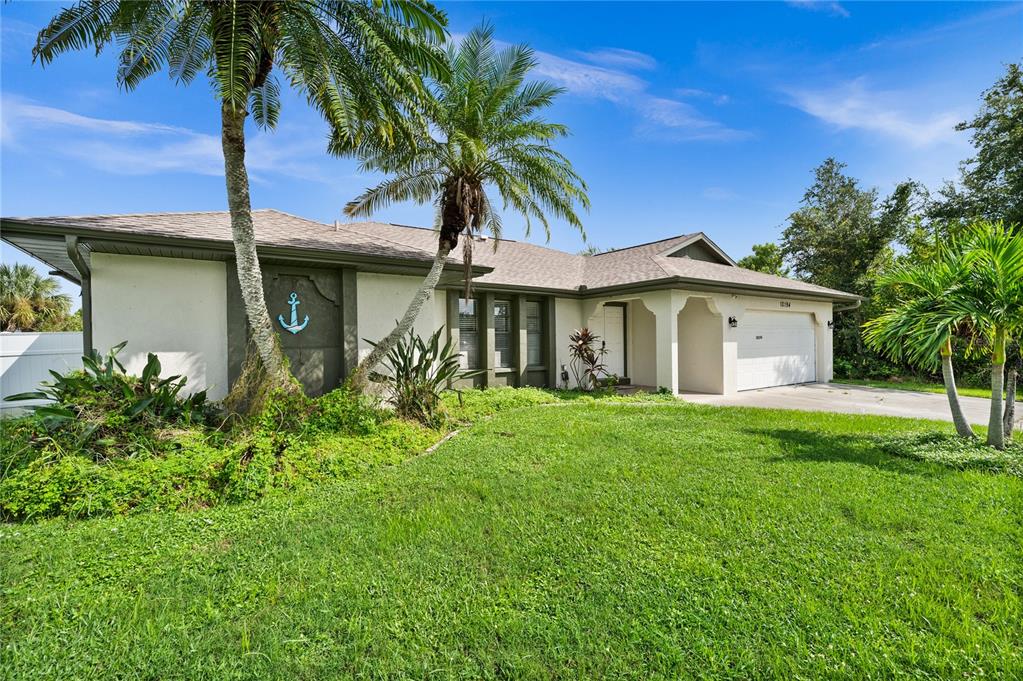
point(419, 372)
point(955, 452)
point(586, 360)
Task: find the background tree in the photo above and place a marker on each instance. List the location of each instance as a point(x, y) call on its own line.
point(358, 62)
point(485, 133)
point(991, 182)
point(31, 302)
point(841, 238)
point(767, 258)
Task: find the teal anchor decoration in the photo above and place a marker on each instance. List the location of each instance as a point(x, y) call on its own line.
point(294, 326)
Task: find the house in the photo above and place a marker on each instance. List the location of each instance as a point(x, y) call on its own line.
point(676, 313)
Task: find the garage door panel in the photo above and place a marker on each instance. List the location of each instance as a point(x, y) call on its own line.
point(775, 348)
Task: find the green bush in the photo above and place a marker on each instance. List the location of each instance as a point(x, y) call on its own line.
point(955, 452)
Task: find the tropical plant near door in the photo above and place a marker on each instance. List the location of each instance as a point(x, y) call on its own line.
point(586, 358)
point(30, 302)
point(359, 63)
point(922, 325)
point(485, 133)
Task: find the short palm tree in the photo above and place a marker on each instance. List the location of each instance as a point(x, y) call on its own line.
point(921, 326)
point(993, 301)
point(485, 134)
point(360, 63)
point(29, 301)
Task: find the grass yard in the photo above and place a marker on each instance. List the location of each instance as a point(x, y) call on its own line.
point(921, 387)
point(573, 541)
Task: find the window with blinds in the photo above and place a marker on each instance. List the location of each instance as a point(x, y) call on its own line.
point(534, 333)
point(502, 334)
point(468, 334)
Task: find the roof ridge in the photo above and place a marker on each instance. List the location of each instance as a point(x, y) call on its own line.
point(125, 215)
point(648, 243)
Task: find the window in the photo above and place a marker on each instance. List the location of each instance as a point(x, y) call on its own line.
point(502, 334)
point(468, 334)
point(534, 334)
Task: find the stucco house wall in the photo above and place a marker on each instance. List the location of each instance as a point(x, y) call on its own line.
point(171, 306)
point(383, 299)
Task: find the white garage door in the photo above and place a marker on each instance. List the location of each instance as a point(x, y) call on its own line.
point(609, 324)
point(775, 348)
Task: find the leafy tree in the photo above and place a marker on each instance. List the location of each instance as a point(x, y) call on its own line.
point(840, 238)
point(991, 183)
point(358, 62)
point(485, 133)
point(31, 302)
point(767, 258)
point(993, 302)
point(922, 321)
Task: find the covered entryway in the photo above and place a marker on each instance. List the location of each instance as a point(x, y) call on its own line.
point(609, 323)
point(775, 348)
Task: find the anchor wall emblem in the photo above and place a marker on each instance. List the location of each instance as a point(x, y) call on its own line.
point(294, 326)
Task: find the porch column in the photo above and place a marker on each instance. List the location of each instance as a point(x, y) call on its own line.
point(666, 306)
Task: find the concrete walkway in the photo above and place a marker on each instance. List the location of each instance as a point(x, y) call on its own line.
point(854, 399)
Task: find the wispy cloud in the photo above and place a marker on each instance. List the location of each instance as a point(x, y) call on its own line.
point(660, 117)
point(616, 57)
point(719, 194)
point(854, 105)
point(833, 8)
point(696, 93)
point(126, 147)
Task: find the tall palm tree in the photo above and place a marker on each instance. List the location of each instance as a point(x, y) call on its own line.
point(994, 302)
point(920, 327)
point(29, 301)
point(485, 134)
point(360, 63)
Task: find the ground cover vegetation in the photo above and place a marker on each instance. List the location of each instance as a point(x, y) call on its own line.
point(581, 539)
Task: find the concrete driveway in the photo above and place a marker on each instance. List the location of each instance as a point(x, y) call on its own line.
point(853, 399)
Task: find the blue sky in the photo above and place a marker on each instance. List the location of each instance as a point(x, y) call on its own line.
point(684, 117)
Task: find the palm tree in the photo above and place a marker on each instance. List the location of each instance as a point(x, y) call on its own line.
point(360, 63)
point(485, 133)
point(30, 302)
point(920, 327)
point(994, 302)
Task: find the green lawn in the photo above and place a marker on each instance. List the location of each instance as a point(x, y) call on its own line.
point(578, 541)
point(920, 386)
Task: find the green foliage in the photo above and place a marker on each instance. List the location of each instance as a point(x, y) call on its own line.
point(767, 258)
point(485, 132)
point(991, 183)
point(419, 372)
point(100, 407)
point(955, 452)
point(468, 406)
point(592, 541)
point(30, 302)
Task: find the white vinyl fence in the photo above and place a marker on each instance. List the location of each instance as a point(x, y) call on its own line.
point(26, 359)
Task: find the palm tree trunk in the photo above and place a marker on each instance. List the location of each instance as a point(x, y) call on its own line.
point(995, 433)
point(1009, 415)
point(359, 377)
point(263, 337)
point(948, 375)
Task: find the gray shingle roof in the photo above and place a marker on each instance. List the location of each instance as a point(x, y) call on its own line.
point(515, 263)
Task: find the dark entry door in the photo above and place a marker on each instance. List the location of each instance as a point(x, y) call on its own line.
point(305, 307)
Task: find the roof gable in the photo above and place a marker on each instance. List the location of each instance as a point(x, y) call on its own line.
point(699, 247)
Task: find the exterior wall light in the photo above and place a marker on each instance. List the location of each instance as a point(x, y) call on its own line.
point(831, 325)
point(733, 322)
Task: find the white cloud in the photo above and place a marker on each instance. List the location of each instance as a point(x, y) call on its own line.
point(833, 8)
point(127, 147)
point(696, 93)
point(853, 105)
point(616, 57)
point(661, 117)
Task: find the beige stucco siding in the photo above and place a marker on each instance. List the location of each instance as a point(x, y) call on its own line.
point(176, 308)
point(568, 317)
point(383, 299)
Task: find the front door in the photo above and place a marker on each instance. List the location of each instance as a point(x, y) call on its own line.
point(609, 324)
point(305, 306)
